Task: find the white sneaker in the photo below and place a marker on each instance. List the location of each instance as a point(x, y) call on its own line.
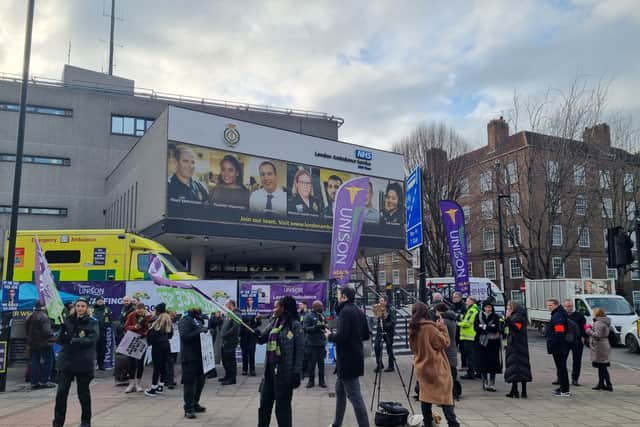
point(130, 388)
point(139, 389)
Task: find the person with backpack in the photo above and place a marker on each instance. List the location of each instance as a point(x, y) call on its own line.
point(160, 332)
point(600, 347)
point(559, 340)
point(578, 343)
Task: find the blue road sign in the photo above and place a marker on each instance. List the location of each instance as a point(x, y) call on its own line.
point(414, 209)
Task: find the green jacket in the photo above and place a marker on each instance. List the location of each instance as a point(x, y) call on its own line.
point(467, 330)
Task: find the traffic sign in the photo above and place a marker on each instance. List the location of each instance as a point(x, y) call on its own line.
point(414, 209)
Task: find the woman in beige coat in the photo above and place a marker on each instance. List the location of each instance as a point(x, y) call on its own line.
point(429, 340)
point(600, 348)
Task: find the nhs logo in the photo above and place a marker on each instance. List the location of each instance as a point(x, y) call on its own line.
point(364, 155)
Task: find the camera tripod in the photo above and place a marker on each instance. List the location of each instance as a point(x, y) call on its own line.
point(377, 382)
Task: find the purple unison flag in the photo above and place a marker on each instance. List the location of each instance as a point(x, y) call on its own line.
point(348, 215)
point(46, 286)
point(453, 221)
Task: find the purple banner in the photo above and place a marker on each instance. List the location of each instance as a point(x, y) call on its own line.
point(270, 292)
point(453, 221)
point(348, 215)
point(112, 292)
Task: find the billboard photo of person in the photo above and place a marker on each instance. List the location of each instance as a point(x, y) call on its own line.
point(371, 214)
point(230, 190)
point(393, 203)
point(331, 188)
point(182, 185)
point(270, 198)
point(302, 200)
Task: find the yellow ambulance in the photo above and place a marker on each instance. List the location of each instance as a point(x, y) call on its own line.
point(91, 255)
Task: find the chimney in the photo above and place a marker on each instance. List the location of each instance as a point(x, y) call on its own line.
point(497, 133)
point(598, 134)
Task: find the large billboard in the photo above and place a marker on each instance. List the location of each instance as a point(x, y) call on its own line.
point(223, 186)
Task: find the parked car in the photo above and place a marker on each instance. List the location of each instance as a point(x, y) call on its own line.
point(631, 336)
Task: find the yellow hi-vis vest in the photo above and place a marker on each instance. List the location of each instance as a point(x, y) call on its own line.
point(467, 331)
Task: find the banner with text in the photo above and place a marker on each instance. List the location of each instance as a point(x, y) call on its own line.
point(269, 292)
point(181, 299)
point(112, 292)
point(453, 221)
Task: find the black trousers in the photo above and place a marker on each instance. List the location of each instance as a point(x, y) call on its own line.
point(387, 339)
point(603, 375)
point(160, 355)
point(101, 348)
point(316, 356)
point(62, 393)
point(193, 383)
point(468, 348)
point(576, 359)
point(270, 393)
point(229, 362)
point(560, 360)
point(248, 347)
point(136, 367)
point(171, 363)
point(448, 411)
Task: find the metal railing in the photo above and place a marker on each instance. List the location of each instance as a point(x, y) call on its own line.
point(169, 97)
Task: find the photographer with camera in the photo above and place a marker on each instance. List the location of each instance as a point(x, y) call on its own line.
point(386, 319)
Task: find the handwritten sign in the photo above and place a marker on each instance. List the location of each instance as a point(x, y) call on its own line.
point(208, 357)
point(132, 345)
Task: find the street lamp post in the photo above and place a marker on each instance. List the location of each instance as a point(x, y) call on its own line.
point(501, 248)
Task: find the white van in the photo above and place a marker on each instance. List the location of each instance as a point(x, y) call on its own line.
point(480, 288)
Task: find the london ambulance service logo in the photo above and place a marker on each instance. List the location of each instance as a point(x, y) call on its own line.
point(231, 135)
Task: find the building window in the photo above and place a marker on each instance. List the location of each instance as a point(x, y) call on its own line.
point(515, 268)
point(464, 186)
point(555, 205)
point(635, 274)
point(37, 109)
point(585, 268)
point(558, 267)
point(130, 126)
point(415, 258)
point(606, 238)
point(612, 273)
point(581, 205)
point(466, 210)
point(513, 235)
point(584, 239)
point(552, 171)
point(396, 277)
point(382, 277)
point(556, 235)
point(394, 257)
point(486, 209)
point(485, 182)
point(605, 180)
point(578, 175)
point(488, 240)
point(490, 269)
point(470, 267)
point(607, 207)
point(368, 260)
point(410, 275)
point(381, 259)
point(24, 210)
point(511, 176)
point(38, 160)
point(630, 208)
point(628, 182)
point(514, 204)
point(449, 271)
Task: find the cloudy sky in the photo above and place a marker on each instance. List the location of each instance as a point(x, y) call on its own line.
point(384, 66)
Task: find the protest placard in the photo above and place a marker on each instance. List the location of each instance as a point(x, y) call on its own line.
point(208, 357)
point(132, 345)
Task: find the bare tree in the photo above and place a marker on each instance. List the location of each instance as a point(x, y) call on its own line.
point(369, 267)
point(437, 149)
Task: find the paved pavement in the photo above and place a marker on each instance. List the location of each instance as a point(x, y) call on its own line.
point(238, 405)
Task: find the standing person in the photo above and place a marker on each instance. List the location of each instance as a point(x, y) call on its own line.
point(429, 341)
point(160, 332)
point(138, 322)
point(449, 319)
point(230, 334)
point(215, 322)
point(103, 315)
point(67, 309)
point(385, 332)
point(517, 366)
point(557, 345)
point(487, 345)
point(77, 339)
point(458, 307)
point(314, 327)
point(600, 347)
point(127, 308)
point(302, 313)
point(351, 330)
point(248, 340)
point(578, 343)
point(468, 337)
point(283, 365)
point(191, 326)
point(40, 340)
point(173, 357)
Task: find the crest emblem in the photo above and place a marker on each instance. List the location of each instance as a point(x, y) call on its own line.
point(231, 135)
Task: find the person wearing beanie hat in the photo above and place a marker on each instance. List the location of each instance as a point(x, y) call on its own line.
point(161, 308)
point(104, 316)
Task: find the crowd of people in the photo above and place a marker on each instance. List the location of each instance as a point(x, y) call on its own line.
point(296, 339)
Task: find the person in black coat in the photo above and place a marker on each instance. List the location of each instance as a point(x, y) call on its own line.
point(78, 337)
point(557, 345)
point(577, 347)
point(283, 365)
point(352, 329)
point(487, 345)
point(247, 339)
point(190, 327)
point(315, 341)
point(517, 366)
